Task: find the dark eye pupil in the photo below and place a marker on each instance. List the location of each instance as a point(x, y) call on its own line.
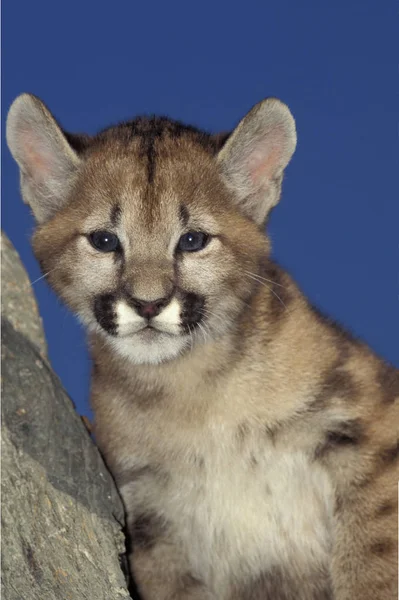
point(192, 241)
point(104, 241)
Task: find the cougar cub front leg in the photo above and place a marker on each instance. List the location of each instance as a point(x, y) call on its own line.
point(158, 564)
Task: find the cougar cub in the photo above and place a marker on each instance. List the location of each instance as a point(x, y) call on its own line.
point(254, 442)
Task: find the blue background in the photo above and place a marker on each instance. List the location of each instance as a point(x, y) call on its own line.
point(334, 63)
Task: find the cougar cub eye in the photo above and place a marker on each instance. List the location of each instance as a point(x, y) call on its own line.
point(192, 241)
point(104, 241)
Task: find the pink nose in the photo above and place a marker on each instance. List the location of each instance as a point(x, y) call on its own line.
point(148, 310)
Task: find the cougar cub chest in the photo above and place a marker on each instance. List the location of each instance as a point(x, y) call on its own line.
point(235, 503)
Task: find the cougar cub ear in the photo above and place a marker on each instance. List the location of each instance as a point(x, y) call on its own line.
point(255, 155)
point(47, 162)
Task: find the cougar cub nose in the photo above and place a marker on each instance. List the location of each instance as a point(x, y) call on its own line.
point(148, 310)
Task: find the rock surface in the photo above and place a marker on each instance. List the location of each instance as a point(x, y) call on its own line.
point(62, 518)
point(18, 303)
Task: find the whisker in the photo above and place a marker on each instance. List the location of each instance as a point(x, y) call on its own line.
point(206, 312)
point(42, 277)
point(203, 330)
point(191, 338)
point(264, 278)
point(270, 290)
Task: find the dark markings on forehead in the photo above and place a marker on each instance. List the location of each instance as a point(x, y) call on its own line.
point(184, 215)
point(151, 156)
point(150, 129)
point(148, 134)
point(115, 215)
point(156, 128)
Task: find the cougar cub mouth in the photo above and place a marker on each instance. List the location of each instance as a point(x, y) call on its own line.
point(123, 315)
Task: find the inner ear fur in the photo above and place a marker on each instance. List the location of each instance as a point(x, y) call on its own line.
point(47, 161)
point(254, 157)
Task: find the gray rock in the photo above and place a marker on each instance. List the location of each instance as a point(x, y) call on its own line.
point(62, 517)
point(18, 303)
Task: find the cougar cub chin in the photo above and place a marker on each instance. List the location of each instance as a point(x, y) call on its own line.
point(254, 442)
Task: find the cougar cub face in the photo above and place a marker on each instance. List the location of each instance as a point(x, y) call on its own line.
point(148, 231)
point(152, 266)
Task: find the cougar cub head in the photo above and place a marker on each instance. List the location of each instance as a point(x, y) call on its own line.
point(151, 231)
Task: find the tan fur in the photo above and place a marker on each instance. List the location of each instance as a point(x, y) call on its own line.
point(257, 455)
